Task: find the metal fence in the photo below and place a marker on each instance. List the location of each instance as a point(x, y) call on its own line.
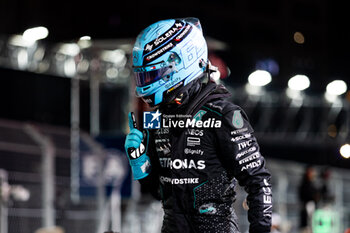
point(43, 172)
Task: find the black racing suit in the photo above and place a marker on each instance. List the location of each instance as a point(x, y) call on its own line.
point(195, 167)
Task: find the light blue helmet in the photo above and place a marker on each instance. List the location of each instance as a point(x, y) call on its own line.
point(167, 56)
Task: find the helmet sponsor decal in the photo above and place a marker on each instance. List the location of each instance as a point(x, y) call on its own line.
point(163, 37)
point(174, 87)
point(166, 41)
point(158, 53)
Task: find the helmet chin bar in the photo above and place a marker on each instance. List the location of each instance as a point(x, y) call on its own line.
point(180, 93)
point(149, 100)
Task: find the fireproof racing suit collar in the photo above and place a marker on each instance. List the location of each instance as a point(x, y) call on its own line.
point(196, 96)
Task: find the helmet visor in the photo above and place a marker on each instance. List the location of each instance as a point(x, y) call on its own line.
point(148, 77)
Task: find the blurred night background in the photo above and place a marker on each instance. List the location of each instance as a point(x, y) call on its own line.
point(64, 102)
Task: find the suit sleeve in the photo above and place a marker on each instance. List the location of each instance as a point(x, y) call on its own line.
point(239, 151)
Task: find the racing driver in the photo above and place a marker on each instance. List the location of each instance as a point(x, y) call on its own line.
point(195, 145)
